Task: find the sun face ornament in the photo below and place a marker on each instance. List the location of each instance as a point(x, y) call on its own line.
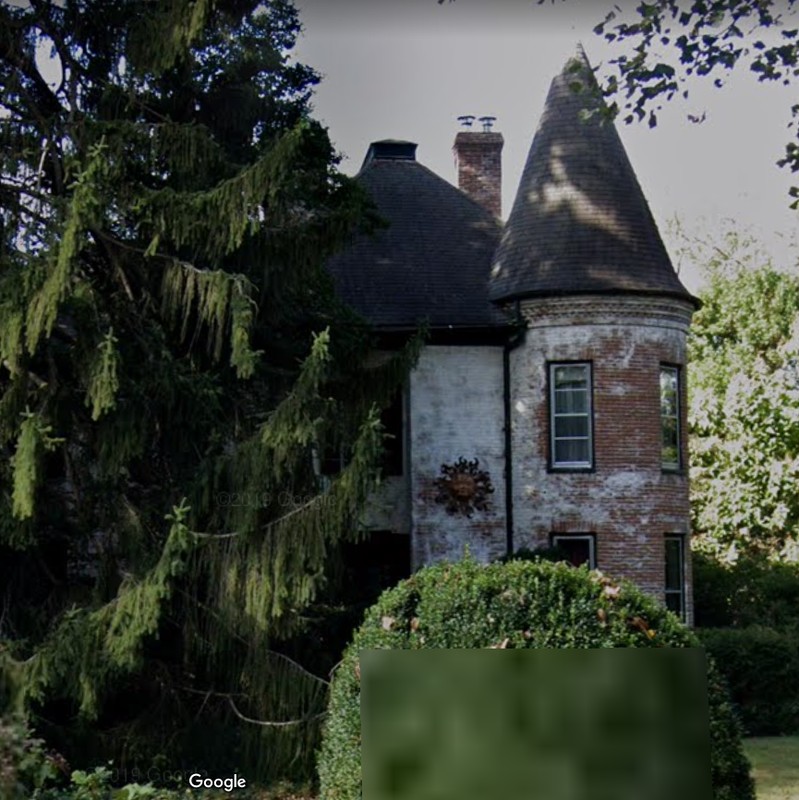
point(464, 488)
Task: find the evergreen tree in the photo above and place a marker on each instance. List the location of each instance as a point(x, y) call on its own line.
point(172, 358)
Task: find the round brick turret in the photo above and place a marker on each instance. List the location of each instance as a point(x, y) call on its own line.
point(624, 504)
point(597, 387)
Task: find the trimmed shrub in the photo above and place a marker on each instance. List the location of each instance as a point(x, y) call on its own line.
point(760, 666)
point(530, 604)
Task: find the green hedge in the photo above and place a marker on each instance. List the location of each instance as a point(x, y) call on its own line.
point(532, 604)
point(761, 667)
point(754, 591)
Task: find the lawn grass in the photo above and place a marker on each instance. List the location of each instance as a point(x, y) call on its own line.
point(775, 766)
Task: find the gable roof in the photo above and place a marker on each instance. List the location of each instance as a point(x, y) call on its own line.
point(432, 262)
point(580, 223)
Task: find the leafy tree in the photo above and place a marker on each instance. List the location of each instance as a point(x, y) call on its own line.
point(668, 41)
point(744, 402)
point(171, 357)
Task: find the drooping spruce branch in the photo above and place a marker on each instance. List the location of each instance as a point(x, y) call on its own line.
point(88, 650)
point(220, 302)
point(167, 330)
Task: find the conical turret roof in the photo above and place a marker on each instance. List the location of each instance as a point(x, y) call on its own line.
point(580, 223)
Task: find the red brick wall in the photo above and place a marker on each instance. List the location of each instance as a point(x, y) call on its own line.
point(627, 501)
point(478, 158)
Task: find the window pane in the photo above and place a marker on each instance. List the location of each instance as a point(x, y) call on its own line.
point(577, 550)
point(574, 376)
point(671, 452)
point(570, 408)
point(674, 602)
point(571, 401)
point(670, 416)
point(668, 404)
point(674, 564)
point(671, 458)
point(668, 381)
point(572, 451)
point(566, 427)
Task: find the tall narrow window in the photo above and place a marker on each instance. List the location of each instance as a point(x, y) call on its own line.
point(570, 426)
point(675, 574)
point(670, 417)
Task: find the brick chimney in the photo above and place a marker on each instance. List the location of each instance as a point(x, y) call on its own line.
point(478, 158)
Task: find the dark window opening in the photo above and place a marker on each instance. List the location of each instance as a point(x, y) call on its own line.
point(332, 461)
point(577, 548)
point(675, 575)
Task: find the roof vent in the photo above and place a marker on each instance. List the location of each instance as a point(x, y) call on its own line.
point(467, 120)
point(392, 149)
point(488, 123)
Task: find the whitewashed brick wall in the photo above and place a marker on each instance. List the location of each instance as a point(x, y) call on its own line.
point(455, 410)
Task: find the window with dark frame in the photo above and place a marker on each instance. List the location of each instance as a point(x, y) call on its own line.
point(570, 412)
point(675, 574)
point(579, 548)
point(670, 417)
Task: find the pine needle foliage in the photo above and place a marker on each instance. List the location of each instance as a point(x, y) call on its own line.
point(103, 381)
point(34, 440)
point(172, 358)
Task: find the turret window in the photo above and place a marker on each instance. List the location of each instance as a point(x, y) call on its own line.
point(670, 417)
point(571, 428)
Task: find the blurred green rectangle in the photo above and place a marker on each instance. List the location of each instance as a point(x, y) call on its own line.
point(615, 724)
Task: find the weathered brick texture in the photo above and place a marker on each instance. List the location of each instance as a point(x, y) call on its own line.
point(628, 501)
point(478, 159)
point(455, 408)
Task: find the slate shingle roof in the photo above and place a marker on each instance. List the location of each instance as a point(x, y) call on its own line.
point(432, 262)
point(580, 223)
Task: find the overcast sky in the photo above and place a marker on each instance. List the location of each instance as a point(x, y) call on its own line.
point(406, 69)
